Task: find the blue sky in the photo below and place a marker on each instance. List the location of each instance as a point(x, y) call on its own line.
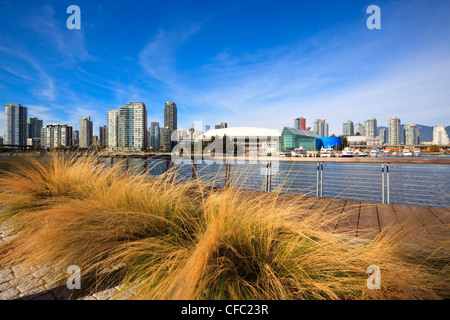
point(247, 62)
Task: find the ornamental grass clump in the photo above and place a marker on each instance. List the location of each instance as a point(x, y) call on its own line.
point(163, 239)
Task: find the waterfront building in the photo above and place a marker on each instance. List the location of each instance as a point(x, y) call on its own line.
point(113, 129)
point(383, 135)
point(321, 128)
point(103, 136)
point(440, 136)
point(245, 139)
point(358, 129)
point(132, 127)
point(347, 128)
point(292, 138)
point(161, 137)
point(170, 125)
point(86, 132)
point(155, 138)
point(394, 131)
point(76, 138)
point(300, 123)
point(370, 127)
point(95, 141)
point(34, 128)
point(15, 125)
point(33, 141)
point(56, 135)
point(377, 141)
point(357, 140)
point(411, 133)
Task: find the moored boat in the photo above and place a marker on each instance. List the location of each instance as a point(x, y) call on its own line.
point(347, 152)
point(327, 152)
point(299, 152)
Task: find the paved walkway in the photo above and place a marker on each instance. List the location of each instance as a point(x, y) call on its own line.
point(40, 284)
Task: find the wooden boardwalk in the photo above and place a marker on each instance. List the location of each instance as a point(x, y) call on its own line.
point(365, 220)
point(422, 225)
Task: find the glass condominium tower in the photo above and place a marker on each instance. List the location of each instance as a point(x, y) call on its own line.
point(15, 125)
point(347, 128)
point(34, 128)
point(132, 127)
point(370, 127)
point(394, 131)
point(86, 132)
point(154, 135)
point(411, 134)
point(170, 125)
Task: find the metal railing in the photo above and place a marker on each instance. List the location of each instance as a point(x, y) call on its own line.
point(411, 181)
point(422, 182)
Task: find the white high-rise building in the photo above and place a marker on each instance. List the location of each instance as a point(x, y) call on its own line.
point(370, 127)
point(132, 127)
point(440, 136)
point(411, 133)
point(321, 127)
point(347, 128)
point(394, 131)
point(56, 135)
point(113, 129)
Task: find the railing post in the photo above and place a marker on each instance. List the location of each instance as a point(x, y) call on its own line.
point(227, 174)
point(382, 182)
point(387, 178)
point(321, 179)
point(194, 170)
point(318, 179)
point(268, 186)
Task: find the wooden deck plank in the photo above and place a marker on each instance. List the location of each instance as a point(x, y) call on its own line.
point(386, 215)
point(442, 214)
point(405, 215)
point(322, 204)
point(433, 227)
point(308, 203)
point(332, 214)
point(348, 220)
point(368, 225)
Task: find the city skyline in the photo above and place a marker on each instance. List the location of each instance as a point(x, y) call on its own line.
point(317, 60)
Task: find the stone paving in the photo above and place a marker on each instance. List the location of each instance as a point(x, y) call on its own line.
point(38, 283)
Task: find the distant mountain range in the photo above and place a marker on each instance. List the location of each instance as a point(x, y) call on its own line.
point(425, 132)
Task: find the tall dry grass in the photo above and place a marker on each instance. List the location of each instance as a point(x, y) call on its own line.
point(170, 240)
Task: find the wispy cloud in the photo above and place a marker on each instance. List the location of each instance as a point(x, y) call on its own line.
point(70, 43)
point(158, 58)
point(45, 89)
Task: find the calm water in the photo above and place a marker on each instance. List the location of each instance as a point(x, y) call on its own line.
point(412, 184)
